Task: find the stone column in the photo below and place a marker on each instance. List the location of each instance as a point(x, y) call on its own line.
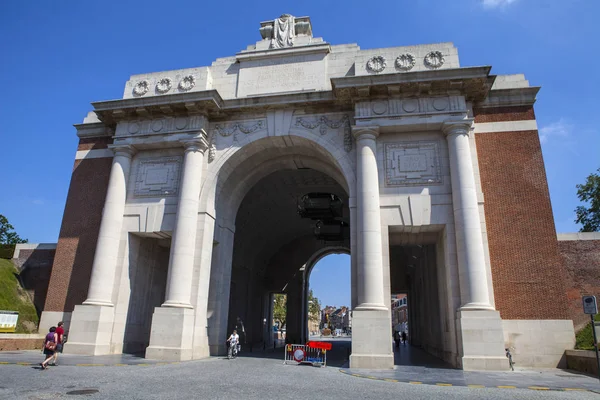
point(107, 247)
point(370, 264)
point(92, 323)
point(469, 239)
point(183, 244)
point(172, 331)
point(479, 326)
point(371, 319)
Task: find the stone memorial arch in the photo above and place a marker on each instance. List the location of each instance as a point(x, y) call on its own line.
point(185, 206)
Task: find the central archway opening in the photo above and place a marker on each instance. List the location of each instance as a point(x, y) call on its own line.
point(283, 220)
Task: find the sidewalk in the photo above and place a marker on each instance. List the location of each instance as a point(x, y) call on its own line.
point(418, 367)
point(34, 357)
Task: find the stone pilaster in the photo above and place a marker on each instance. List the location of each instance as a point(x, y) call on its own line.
point(181, 261)
point(91, 323)
point(371, 321)
point(480, 331)
point(469, 239)
point(172, 331)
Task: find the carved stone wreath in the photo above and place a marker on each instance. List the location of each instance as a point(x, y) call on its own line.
point(434, 59)
point(405, 61)
point(376, 64)
point(163, 85)
point(323, 123)
point(187, 83)
point(228, 130)
point(141, 88)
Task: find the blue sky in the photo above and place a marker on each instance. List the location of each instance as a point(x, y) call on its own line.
point(57, 57)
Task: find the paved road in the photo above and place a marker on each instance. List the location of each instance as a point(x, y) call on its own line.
point(247, 377)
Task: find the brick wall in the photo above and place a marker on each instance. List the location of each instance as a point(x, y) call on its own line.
point(529, 278)
point(72, 266)
point(581, 259)
point(21, 344)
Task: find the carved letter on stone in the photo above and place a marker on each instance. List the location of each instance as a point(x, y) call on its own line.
point(157, 177)
point(412, 163)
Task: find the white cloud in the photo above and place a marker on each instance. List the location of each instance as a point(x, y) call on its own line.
point(38, 202)
point(558, 129)
point(497, 3)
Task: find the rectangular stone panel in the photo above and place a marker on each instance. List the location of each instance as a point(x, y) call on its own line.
point(157, 177)
point(412, 163)
point(292, 73)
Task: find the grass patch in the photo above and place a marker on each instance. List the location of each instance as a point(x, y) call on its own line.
point(14, 298)
point(584, 340)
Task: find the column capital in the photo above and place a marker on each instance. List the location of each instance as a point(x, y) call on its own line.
point(196, 144)
point(358, 131)
point(126, 150)
point(461, 127)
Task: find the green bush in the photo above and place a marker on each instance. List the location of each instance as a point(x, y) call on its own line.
point(584, 339)
point(7, 251)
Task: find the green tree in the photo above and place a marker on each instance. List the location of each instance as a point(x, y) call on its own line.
point(280, 309)
point(7, 233)
point(589, 192)
point(314, 307)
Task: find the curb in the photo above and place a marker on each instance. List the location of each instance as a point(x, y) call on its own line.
point(30, 364)
point(472, 386)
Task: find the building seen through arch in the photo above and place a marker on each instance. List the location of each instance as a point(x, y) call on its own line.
point(203, 191)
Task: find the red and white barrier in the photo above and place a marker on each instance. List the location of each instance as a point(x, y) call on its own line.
point(314, 353)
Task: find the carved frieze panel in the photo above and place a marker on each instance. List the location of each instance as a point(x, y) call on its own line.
point(410, 106)
point(157, 177)
point(234, 128)
point(412, 163)
point(322, 124)
point(161, 125)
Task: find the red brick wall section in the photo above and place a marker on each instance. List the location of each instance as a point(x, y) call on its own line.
point(502, 114)
point(21, 344)
point(94, 143)
point(529, 278)
point(581, 259)
point(72, 266)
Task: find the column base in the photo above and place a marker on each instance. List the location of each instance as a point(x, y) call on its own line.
point(201, 349)
point(172, 334)
point(481, 335)
point(90, 330)
point(52, 318)
point(371, 340)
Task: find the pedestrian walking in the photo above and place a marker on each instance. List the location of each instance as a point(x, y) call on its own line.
point(50, 342)
point(60, 333)
point(397, 338)
point(403, 337)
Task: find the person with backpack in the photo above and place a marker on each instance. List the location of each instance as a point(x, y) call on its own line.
point(50, 342)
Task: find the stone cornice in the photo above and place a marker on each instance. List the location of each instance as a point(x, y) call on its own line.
point(525, 96)
point(92, 130)
point(251, 55)
point(112, 111)
point(472, 82)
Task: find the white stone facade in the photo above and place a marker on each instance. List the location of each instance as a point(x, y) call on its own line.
point(389, 130)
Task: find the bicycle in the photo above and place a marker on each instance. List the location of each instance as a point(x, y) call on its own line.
point(510, 360)
point(233, 350)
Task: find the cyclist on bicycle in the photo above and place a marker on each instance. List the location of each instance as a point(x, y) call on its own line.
point(234, 340)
